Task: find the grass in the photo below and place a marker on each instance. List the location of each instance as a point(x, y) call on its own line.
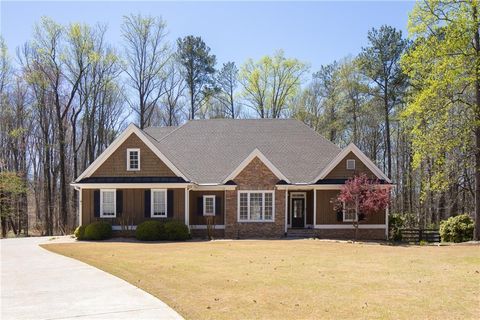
point(295, 279)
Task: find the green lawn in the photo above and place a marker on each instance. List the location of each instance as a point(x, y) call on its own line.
point(295, 279)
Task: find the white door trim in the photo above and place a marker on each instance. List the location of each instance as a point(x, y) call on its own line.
point(299, 195)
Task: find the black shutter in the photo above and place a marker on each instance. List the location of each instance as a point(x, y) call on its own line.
point(200, 206)
point(218, 206)
point(339, 215)
point(96, 203)
point(147, 204)
point(119, 200)
point(170, 203)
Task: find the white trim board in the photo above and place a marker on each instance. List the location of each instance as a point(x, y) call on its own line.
point(131, 129)
point(256, 154)
point(360, 155)
point(204, 226)
point(350, 226)
point(130, 185)
point(119, 228)
point(310, 187)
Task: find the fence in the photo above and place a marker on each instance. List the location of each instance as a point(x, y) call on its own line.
point(417, 235)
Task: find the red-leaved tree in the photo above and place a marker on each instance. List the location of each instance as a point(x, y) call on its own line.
point(367, 196)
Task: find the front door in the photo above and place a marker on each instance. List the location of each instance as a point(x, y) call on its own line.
point(298, 210)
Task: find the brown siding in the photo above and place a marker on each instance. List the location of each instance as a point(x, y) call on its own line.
point(341, 172)
point(196, 219)
point(87, 206)
point(326, 214)
point(255, 176)
point(150, 164)
point(309, 208)
point(133, 206)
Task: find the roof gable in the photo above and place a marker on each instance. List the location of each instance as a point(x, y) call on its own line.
point(352, 148)
point(255, 154)
point(131, 130)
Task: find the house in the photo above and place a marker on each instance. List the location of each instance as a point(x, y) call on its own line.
point(255, 178)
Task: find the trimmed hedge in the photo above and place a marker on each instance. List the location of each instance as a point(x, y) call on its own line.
point(154, 230)
point(176, 230)
point(98, 230)
point(457, 229)
point(151, 230)
point(80, 233)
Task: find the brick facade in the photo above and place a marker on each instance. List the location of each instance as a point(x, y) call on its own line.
point(255, 176)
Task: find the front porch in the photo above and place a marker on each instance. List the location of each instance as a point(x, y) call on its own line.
point(311, 213)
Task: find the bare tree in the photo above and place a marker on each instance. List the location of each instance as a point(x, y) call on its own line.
point(174, 88)
point(226, 84)
point(146, 52)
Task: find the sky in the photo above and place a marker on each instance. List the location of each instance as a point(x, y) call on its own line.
point(314, 32)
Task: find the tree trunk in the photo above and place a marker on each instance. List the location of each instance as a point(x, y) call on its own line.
point(63, 176)
point(476, 235)
point(387, 132)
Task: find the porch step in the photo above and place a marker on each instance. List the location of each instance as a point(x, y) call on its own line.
point(300, 233)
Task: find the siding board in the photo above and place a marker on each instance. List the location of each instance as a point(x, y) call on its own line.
point(326, 214)
point(150, 164)
point(341, 172)
point(133, 206)
point(195, 219)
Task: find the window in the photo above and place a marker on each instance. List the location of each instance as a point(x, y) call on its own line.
point(133, 159)
point(159, 203)
point(108, 203)
point(351, 164)
point(349, 212)
point(208, 205)
point(255, 206)
point(243, 206)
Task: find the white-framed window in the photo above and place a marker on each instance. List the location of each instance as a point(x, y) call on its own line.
point(108, 203)
point(256, 206)
point(208, 205)
point(133, 159)
point(349, 212)
point(350, 164)
point(158, 203)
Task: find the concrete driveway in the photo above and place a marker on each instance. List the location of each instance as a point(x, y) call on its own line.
point(38, 284)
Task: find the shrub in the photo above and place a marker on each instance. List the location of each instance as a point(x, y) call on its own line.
point(150, 231)
point(395, 224)
point(80, 233)
point(98, 230)
point(457, 229)
point(176, 230)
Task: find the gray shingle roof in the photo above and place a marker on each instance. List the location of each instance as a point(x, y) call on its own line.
point(207, 151)
point(158, 132)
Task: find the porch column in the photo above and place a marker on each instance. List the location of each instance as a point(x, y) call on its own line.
point(314, 208)
point(386, 221)
point(187, 207)
point(80, 205)
point(286, 209)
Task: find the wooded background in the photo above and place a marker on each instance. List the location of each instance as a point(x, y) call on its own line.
point(412, 105)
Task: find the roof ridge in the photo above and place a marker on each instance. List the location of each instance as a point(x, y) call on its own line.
point(248, 119)
point(176, 128)
point(318, 134)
